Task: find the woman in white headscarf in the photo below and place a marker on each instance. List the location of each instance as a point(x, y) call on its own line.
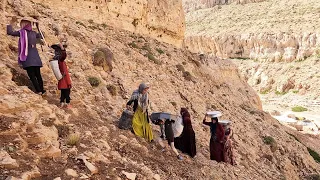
point(140, 122)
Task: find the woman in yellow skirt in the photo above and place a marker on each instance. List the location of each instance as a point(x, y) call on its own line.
point(140, 121)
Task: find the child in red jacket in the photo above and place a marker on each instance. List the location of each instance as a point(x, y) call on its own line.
point(64, 84)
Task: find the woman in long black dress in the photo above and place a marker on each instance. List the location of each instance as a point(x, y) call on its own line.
point(186, 142)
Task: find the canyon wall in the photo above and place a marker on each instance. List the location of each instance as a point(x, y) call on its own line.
point(163, 20)
point(191, 5)
point(263, 47)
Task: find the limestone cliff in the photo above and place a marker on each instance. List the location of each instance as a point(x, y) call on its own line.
point(163, 20)
point(267, 31)
point(279, 47)
point(191, 5)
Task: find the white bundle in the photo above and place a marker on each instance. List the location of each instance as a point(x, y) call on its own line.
point(177, 127)
point(55, 68)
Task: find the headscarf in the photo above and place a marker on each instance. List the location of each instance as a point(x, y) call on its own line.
point(213, 127)
point(143, 99)
point(23, 42)
point(186, 117)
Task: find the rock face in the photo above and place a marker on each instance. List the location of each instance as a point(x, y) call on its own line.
point(263, 47)
point(300, 77)
point(273, 31)
point(163, 20)
point(192, 5)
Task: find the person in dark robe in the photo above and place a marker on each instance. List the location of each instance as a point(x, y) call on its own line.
point(217, 138)
point(186, 142)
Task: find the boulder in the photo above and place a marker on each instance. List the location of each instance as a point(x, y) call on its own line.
point(6, 161)
point(103, 57)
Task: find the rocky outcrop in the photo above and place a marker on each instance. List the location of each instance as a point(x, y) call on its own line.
point(300, 77)
point(192, 5)
point(280, 47)
point(163, 20)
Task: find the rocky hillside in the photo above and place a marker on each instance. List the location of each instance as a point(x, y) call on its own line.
point(38, 140)
point(163, 20)
point(191, 5)
point(274, 30)
point(301, 77)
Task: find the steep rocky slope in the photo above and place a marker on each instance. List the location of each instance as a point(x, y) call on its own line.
point(163, 20)
point(274, 30)
point(36, 136)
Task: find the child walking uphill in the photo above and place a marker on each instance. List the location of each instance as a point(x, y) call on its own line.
point(64, 84)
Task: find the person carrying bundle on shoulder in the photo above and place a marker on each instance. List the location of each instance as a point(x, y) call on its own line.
point(64, 84)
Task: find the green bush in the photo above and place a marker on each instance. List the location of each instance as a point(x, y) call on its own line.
point(134, 45)
point(295, 91)
point(147, 48)
point(269, 140)
point(264, 92)
point(299, 109)
point(73, 139)
point(94, 81)
point(280, 93)
point(314, 154)
point(152, 58)
point(160, 51)
point(112, 89)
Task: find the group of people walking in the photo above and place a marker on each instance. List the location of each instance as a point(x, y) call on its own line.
point(221, 149)
point(29, 59)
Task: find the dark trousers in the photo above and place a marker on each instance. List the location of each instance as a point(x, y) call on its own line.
point(65, 96)
point(35, 77)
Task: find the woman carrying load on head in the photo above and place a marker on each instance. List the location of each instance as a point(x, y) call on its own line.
point(140, 121)
point(217, 138)
point(186, 142)
point(28, 57)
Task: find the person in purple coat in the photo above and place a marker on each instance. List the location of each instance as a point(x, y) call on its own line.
point(28, 58)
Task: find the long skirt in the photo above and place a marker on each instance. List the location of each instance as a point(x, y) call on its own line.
point(140, 125)
point(186, 142)
point(216, 150)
